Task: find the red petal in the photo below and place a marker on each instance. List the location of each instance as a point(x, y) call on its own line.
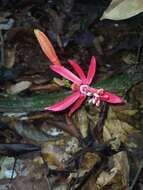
point(78, 69)
point(91, 71)
point(77, 105)
point(66, 73)
point(113, 99)
point(47, 47)
point(68, 101)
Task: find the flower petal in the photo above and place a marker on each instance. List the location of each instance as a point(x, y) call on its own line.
point(68, 101)
point(91, 71)
point(78, 69)
point(66, 73)
point(47, 47)
point(77, 105)
point(112, 98)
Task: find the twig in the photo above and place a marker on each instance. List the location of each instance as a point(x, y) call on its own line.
point(72, 185)
point(13, 169)
point(98, 131)
point(45, 163)
point(101, 149)
point(97, 168)
point(136, 176)
point(139, 49)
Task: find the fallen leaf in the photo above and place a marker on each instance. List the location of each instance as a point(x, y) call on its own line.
point(114, 178)
point(19, 87)
point(30, 132)
point(9, 57)
point(122, 9)
point(57, 152)
point(6, 167)
point(118, 176)
point(7, 24)
point(137, 92)
point(81, 121)
point(116, 129)
point(89, 160)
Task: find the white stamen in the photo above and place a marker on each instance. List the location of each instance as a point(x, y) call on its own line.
point(90, 101)
point(96, 95)
point(98, 103)
point(93, 100)
point(89, 94)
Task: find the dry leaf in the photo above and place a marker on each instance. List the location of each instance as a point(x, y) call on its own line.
point(89, 160)
point(115, 178)
point(122, 9)
point(56, 152)
point(118, 176)
point(115, 128)
point(9, 57)
point(19, 87)
point(81, 121)
point(137, 92)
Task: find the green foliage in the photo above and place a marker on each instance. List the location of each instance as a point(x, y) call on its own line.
point(119, 84)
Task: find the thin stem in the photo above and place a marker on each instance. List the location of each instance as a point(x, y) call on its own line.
point(45, 163)
point(136, 176)
point(97, 168)
point(13, 169)
point(102, 117)
point(139, 49)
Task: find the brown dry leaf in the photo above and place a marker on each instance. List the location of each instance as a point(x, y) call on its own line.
point(30, 132)
point(9, 57)
point(114, 179)
point(56, 152)
point(128, 110)
point(19, 87)
point(47, 87)
point(91, 184)
point(89, 160)
point(59, 82)
point(98, 44)
point(128, 113)
point(81, 121)
point(56, 21)
point(54, 155)
point(116, 129)
point(118, 176)
point(28, 175)
point(123, 9)
point(137, 92)
point(129, 58)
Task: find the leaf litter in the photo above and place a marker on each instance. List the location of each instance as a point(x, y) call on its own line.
point(97, 148)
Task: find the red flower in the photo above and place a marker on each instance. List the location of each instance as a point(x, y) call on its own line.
point(81, 89)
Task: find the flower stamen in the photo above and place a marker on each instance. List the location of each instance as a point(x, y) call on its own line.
point(96, 97)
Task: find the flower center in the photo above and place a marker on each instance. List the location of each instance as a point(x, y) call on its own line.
point(85, 89)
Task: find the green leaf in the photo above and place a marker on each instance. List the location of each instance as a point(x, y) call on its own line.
point(119, 84)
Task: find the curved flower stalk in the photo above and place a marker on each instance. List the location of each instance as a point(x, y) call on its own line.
point(47, 47)
point(81, 88)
